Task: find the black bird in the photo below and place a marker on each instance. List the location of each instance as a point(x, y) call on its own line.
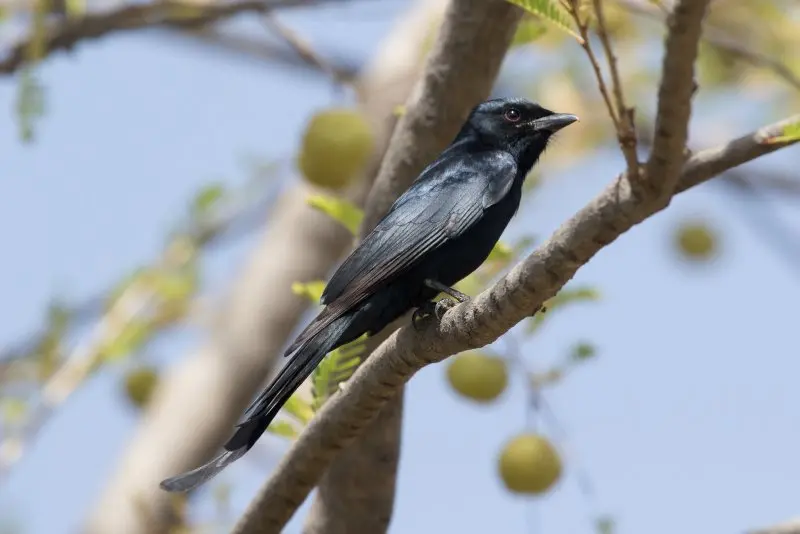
point(437, 233)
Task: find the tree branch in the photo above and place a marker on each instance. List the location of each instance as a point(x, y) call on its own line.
point(626, 132)
point(357, 492)
point(208, 390)
point(66, 33)
point(674, 98)
point(470, 325)
point(247, 47)
point(711, 162)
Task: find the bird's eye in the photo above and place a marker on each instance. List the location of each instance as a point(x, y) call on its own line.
point(512, 115)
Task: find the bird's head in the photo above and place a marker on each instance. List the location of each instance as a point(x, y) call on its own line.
point(515, 124)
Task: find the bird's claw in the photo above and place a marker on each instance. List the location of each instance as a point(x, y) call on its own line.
point(422, 313)
point(443, 305)
point(430, 308)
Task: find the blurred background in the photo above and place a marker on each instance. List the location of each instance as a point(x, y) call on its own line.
point(160, 193)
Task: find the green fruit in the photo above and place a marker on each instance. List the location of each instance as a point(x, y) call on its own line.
point(336, 146)
point(477, 376)
point(529, 464)
point(140, 384)
point(696, 241)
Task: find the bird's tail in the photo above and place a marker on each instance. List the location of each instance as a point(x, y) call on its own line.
point(264, 409)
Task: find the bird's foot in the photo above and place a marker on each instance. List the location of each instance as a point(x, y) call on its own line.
point(436, 309)
point(422, 313)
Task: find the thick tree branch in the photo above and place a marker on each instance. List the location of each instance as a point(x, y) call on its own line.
point(357, 492)
point(674, 98)
point(470, 325)
point(66, 33)
point(192, 411)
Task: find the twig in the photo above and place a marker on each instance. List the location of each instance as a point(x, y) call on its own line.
point(674, 100)
point(244, 47)
point(626, 134)
point(304, 50)
point(583, 28)
point(467, 326)
point(66, 33)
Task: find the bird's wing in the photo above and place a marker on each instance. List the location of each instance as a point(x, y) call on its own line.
point(449, 197)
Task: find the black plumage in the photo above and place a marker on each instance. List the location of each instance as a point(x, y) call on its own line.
point(437, 233)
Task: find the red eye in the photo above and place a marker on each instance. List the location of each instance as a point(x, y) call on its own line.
point(512, 115)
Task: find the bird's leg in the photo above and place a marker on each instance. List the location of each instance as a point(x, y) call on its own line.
point(438, 286)
point(440, 307)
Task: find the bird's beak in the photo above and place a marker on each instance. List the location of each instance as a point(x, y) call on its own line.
point(553, 123)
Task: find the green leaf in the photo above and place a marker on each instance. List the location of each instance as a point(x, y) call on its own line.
point(49, 346)
point(207, 199)
point(130, 339)
point(76, 8)
point(14, 410)
point(30, 103)
point(346, 213)
point(299, 408)
point(283, 428)
point(551, 12)
point(791, 133)
point(138, 275)
point(528, 31)
point(177, 285)
point(311, 290)
point(564, 297)
point(582, 351)
point(336, 368)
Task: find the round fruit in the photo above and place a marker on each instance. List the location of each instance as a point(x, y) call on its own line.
point(477, 376)
point(529, 464)
point(139, 385)
point(696, 241)
point(336, 145)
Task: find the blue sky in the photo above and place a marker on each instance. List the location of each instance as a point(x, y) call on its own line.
point(687, 420)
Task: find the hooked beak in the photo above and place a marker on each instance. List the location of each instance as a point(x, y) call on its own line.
point(553, 123)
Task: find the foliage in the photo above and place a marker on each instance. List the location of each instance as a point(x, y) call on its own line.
point(336, 369)
point(549, 11)
point(345, 213)
point(791, 132)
